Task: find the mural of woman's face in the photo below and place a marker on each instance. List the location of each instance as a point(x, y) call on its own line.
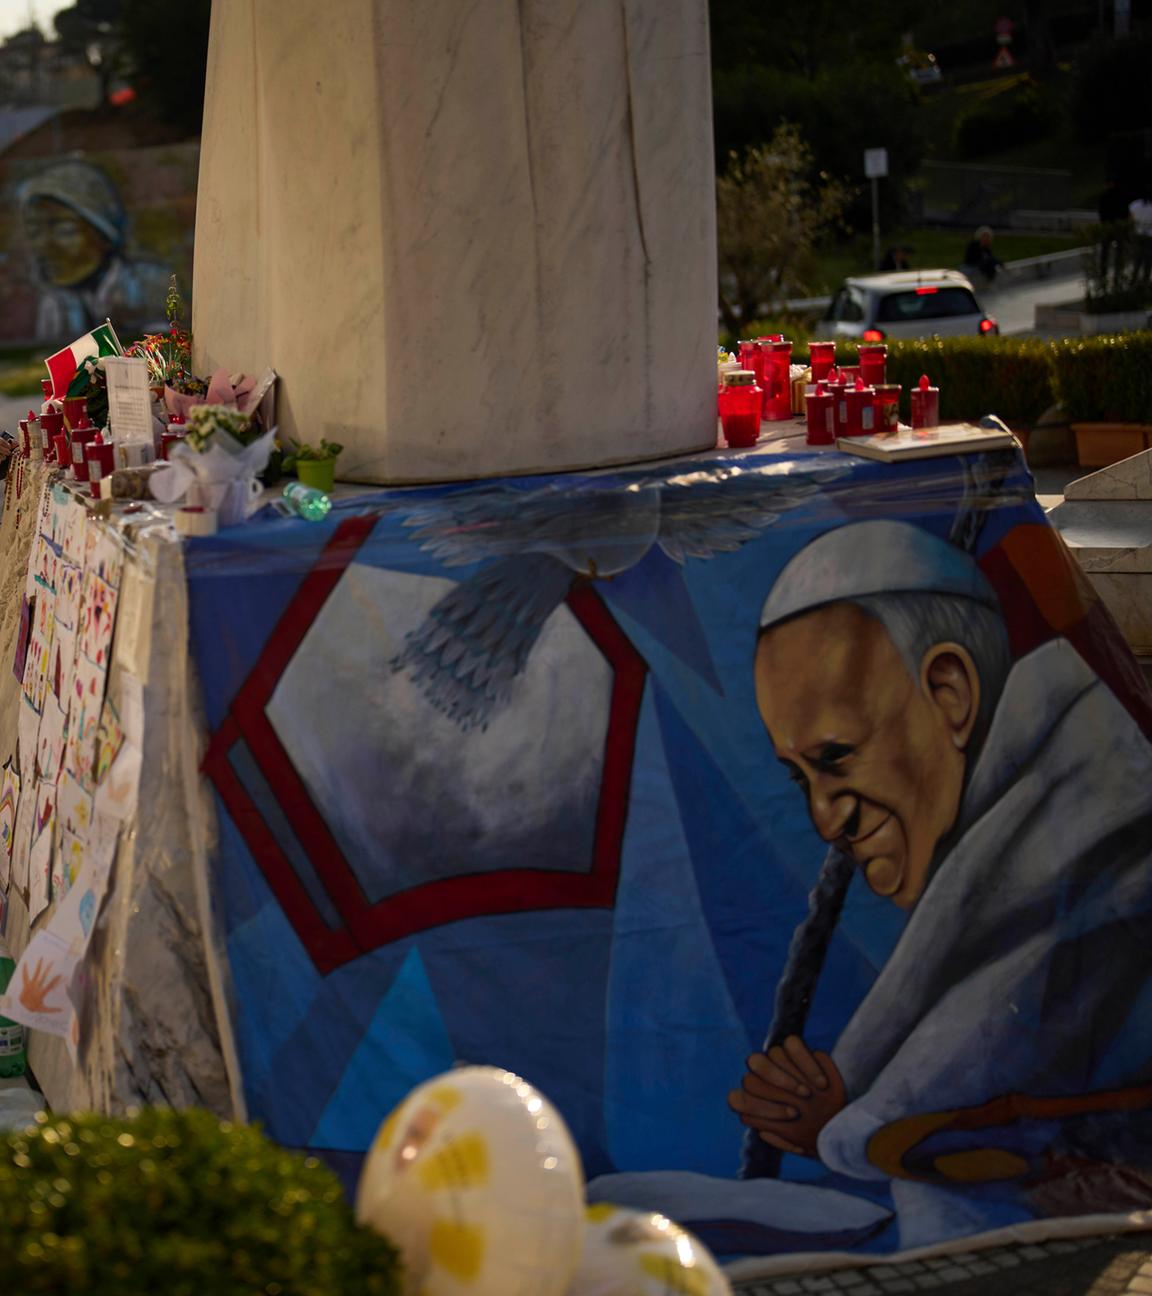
point(68, 249)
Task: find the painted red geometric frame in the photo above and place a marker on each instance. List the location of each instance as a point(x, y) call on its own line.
point(366, 925)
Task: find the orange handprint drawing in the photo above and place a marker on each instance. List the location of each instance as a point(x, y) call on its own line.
point(36, 988)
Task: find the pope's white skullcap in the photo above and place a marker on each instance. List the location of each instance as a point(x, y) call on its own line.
point(869, 558)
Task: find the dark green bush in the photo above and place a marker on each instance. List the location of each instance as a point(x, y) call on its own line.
point(1092, 378)
point(1112, 269)
point(797, 330)
point(178, 1203)
point(1110, 92)
point(1011, 377)
point(1104, 379)
point(1021, 115)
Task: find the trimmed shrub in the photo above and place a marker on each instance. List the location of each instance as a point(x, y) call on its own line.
point(1011, 377)
point(179, 1203)
point(1104, 379)
point(1093, 379)
point(1021, 115)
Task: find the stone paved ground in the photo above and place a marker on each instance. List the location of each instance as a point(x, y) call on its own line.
point(1099, 1266)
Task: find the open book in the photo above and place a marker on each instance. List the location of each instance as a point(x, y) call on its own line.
point(926, 443)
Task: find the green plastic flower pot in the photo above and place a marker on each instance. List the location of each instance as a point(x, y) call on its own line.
point(320, 473)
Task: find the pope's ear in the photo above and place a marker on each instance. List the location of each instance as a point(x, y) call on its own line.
point(951, 683)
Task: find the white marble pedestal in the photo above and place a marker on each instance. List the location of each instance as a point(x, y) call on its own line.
point(1106, 520)
point(472, 239)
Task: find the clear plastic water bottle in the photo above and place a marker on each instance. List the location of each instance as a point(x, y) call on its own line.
point(307, 502)
point(12, 1056)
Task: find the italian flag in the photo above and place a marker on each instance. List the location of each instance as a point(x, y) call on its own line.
point(62, 366)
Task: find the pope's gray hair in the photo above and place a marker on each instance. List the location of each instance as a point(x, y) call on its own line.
point(916, 622)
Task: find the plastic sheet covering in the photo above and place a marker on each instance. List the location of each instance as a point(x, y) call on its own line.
point(144, 997)
point(511, 773)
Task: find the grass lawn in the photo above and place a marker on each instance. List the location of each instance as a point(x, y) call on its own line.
point(936, 249)
point(20, 373)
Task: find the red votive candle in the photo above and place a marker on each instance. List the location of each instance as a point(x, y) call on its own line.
point(100, 460)
point(82, 433)
point(822, 358)
point(821, 427)
point(873, 359)
point(778, 381)
point(887, 407)
point(860, 414)
point(925, 401)
point(740, 403)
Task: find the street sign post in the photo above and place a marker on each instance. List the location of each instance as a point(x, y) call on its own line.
point(875, 169)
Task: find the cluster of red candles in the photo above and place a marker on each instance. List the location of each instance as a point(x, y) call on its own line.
point(62, 433)
point(760, 390)
point(852, 401)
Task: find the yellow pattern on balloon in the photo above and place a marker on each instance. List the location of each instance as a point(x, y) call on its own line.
point(462, 1163)
point(445, 1096)
point(684, 1282)
point(385, 1132)
point(458, 1248)
point(598, 1212)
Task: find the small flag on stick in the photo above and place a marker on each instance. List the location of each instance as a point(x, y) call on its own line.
point(62, 366)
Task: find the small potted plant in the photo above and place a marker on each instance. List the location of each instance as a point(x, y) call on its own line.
point(315, 466)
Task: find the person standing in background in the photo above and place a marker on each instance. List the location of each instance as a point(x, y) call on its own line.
point(979, 257)
point(1140, 211)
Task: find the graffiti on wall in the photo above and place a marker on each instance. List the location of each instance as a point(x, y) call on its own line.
point(90, 237)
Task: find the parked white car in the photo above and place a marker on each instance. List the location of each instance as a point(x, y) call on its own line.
point(908, 304)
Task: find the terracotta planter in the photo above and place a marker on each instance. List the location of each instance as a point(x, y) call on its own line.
point(1101, 444)
point(319, 473)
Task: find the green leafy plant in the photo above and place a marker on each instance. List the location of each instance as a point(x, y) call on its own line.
point(772, 207)
point(1011, 377)
point(179, 1203)
point(91, 383)
point(317, 454)
point(205, 421)
point(1018, 113)
point(1104, 378)
point(1112, 269)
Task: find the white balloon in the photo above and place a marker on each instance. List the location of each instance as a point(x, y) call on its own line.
point(476, 1179)
point(629, 1253)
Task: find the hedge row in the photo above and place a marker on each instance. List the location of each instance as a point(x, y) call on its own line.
point(1093, 379)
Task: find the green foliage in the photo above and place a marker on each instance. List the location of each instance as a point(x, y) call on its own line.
point(167, 47)
point(837, 80)
point(797, 331)
point(1111, 88)
point(1011, 377)
point(204, 421)
point(179, 1203)
point(770, 213)
point(1105, 378)
point(1021, 114)
point(317, 454)
point(1111, 269)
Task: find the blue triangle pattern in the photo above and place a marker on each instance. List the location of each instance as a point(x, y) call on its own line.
point(654, 595)
point(675, 1042)
point(405, 1044)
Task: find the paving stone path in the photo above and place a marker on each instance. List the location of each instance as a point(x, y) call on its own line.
point(1099, 1266)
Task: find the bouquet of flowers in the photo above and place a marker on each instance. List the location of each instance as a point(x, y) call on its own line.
point(223, 456)
point(169, 355)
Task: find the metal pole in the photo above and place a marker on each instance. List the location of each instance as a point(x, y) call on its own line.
point(875, 224)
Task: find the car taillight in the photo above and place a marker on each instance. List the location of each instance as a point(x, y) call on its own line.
point(989, 325)
point(926, 292)
point(872, 335)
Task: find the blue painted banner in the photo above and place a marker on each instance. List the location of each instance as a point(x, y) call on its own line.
point(785, 820)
